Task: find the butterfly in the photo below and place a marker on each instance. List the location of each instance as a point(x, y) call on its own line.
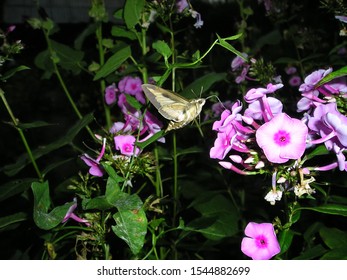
point(177, 109)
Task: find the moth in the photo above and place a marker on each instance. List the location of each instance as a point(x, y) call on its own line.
point(177, 109)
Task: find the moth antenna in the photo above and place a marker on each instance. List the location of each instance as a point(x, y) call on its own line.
point(208, 97)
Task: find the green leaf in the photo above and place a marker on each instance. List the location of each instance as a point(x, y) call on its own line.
point(99, 202)
point(12, 219)
point(113, 63)
point(312, 253)
point(213, 228)
point(217, 213)
point(285, 239)
point(112, 173)
point(333, 75)
point(69, 58)
point(334, 238)
point(113, 197)
point(311, 231)
point(113, 191)
point(152, 139)
point(132, 228)
point(35, 124)
point(336, 254)
point(231, 38)
point(162, 48)
point(15, 187)
point(133, 102)
point(190, 150)
point(319, 151)
point(44, 62)
point(223, 42)
point(128, 202)
point(23, 160)
point(13, 71)
point(42, 202)
point(331, 209)
point(132, 12)
point(120, 31)
point(202, 84)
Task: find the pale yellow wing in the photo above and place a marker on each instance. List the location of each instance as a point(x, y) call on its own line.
point(174, 111)
point(170, 105)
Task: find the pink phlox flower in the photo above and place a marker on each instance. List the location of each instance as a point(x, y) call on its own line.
point(336, 86)
point(232, 167)
point(341, 162)
point(338, 123)
point(126, 145)
point(271, 88)
point(122, 102)
point(330, 124)
point(222, 144)
point(226, 140)
point(70, 215)
point(94, 164)
point(228, 116)
point(290, 70)
point(282, 138)
point(181, 5)
point(243, 75)
point(131, 115)
point(218, 108)
point(342, 18)
point(132, 119)
point(341, 159)
point(110, 94)
point(255, 110)
point(120, 127)
point(151, 125)
point(309, 101)
point(259, 94)
point(295, 81)
point(232, 134)
point(94, 169)
point(312, 80)
point(260, 242)
point(130, 85)
point(238, 62)
point(220, 124)
point(239, 65)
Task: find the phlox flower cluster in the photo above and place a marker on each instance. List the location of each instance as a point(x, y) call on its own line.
point(263, 139)
point(182, 7)
point(136, 126)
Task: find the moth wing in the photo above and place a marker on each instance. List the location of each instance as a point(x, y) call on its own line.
point(174, 111)
point(160, 97)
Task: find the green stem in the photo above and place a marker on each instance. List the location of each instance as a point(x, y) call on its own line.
point(174, 144)
point(158, 182)
point(175, 178)
point(22, 136)
point(62, 83)
point(98, 34)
